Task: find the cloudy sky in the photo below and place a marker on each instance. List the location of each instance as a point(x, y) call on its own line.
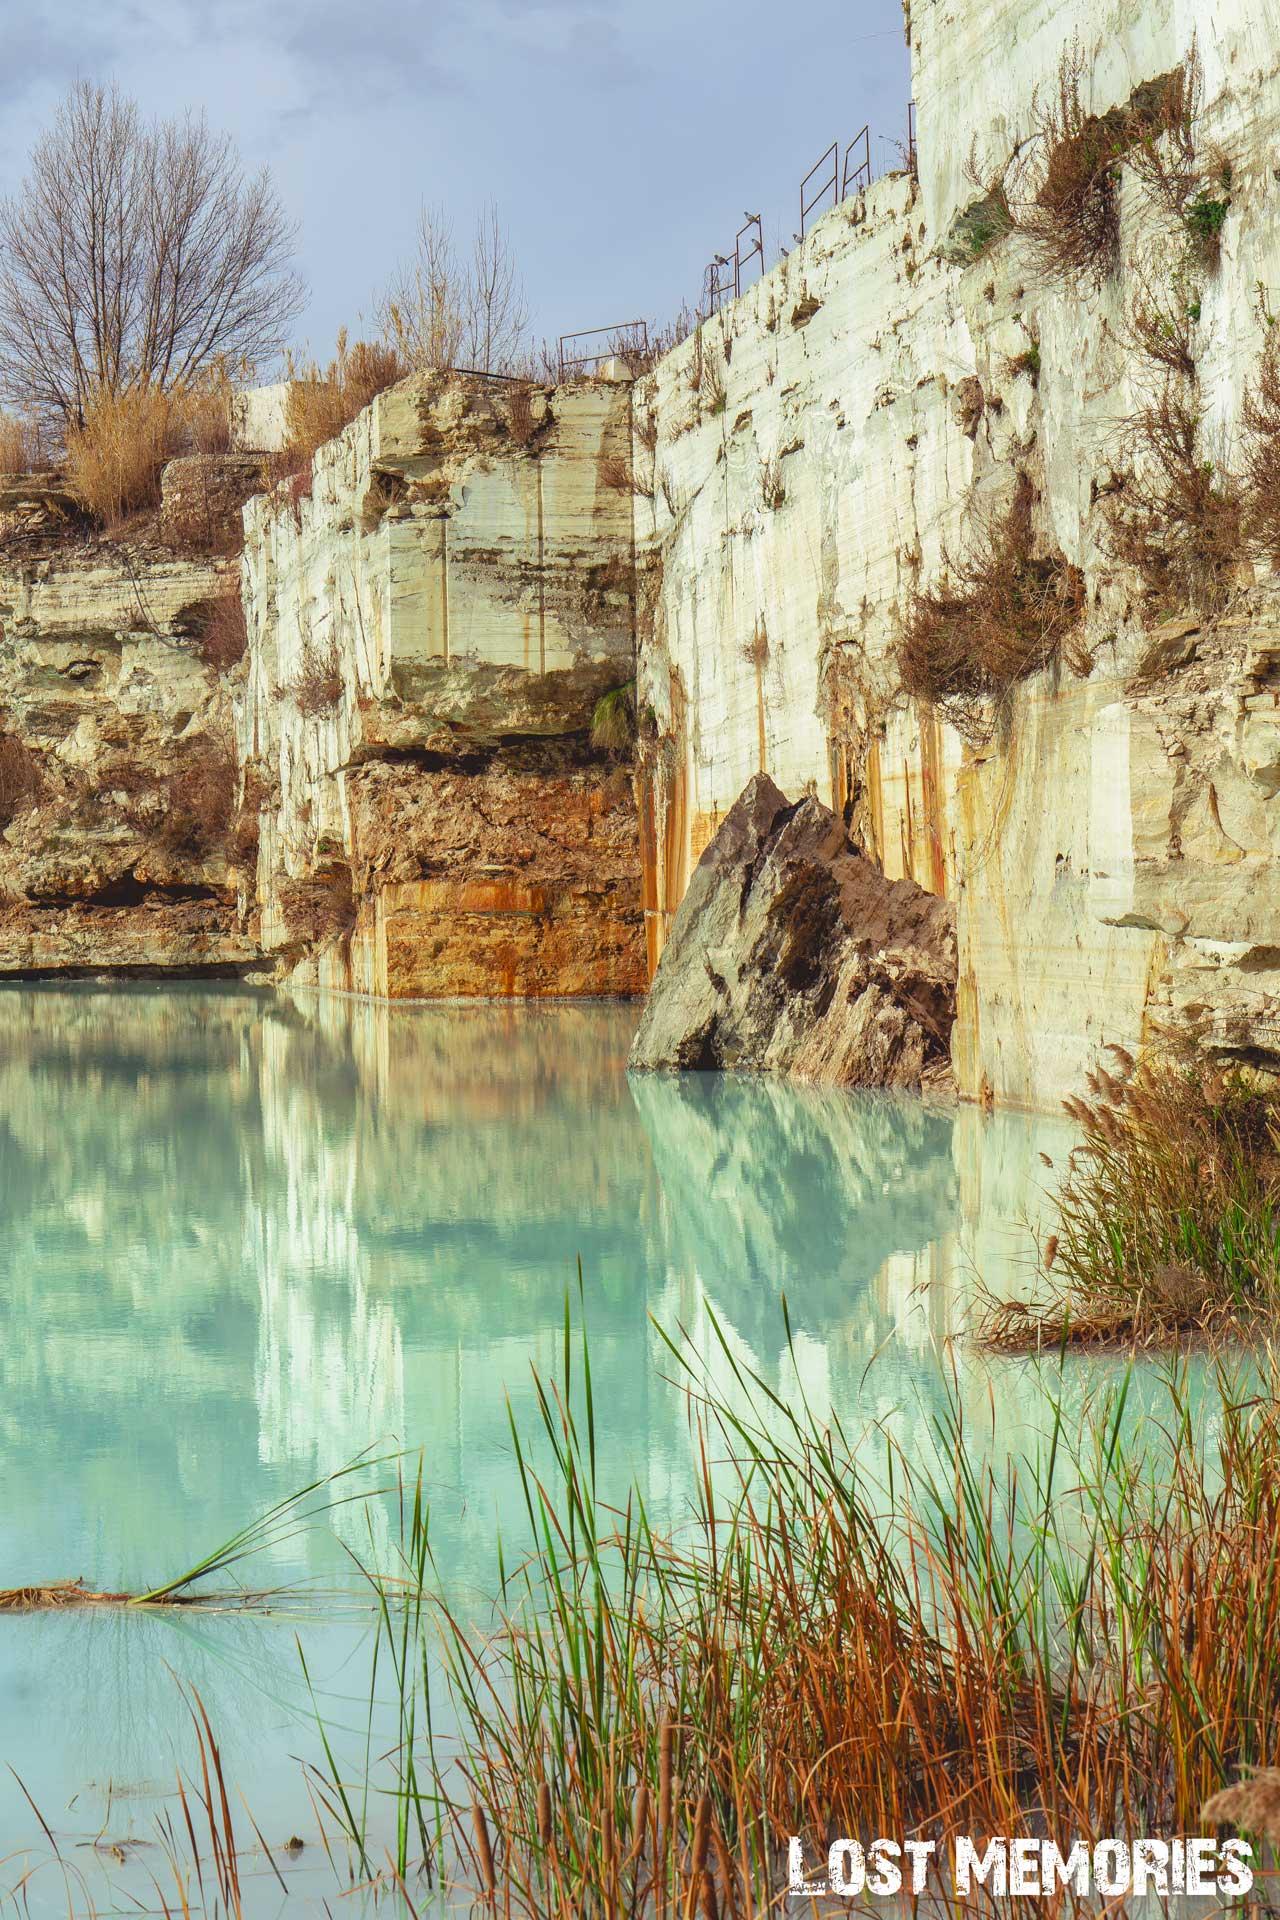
point(621, 142)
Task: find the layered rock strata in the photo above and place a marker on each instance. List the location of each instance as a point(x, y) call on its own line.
point(431, 626)
point(791, 952)
point(118, 845)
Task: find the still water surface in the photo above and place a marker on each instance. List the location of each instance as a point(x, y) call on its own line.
point(245, 1236)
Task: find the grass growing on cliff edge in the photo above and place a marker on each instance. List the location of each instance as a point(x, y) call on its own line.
point(1169, 1215)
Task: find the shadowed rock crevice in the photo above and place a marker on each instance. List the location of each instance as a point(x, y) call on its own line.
point(791, 952)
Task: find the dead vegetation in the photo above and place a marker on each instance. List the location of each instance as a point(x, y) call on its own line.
point(199, 802)
point(318, 909)
point(1001, 613)
point(1164, 154)
point(1063, 192)
point(522, 424)
point(116, 452)
point(1066, 200)
point(223, 637)
point(22, 444)
point(773, 490)
point(1160, 323)
point(1167, 1216)
point(21, 778)
point(1178, 518)
point(323, 400)
point(317, 687)
point(1262, 452)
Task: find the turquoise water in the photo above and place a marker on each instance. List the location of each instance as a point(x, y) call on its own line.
point(245, 1236)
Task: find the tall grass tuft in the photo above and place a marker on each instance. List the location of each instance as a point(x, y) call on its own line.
point(1169, 1215)
point(846, 1639)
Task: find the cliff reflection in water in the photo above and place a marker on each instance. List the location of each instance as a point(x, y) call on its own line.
point(246, 1236)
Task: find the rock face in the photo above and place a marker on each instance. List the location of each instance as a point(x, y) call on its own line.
point(823, 444)
point(430, 629)
point(117, 770)
point(791, 952)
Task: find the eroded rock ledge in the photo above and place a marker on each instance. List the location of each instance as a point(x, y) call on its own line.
point(792, 952)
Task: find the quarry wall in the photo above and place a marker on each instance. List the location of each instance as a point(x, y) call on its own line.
point(828, 442)
point(412, 800)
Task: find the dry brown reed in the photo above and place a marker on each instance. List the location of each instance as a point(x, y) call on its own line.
point(322, 401)
point(22, 445)
point(1082, 1640)
point(117, 451)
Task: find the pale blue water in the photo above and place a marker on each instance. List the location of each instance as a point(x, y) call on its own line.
point(243, 1237)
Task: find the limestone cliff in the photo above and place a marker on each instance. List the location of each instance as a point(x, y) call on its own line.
point(431, 624)
point(117, 769)
point(823, 451)
point(737, 547)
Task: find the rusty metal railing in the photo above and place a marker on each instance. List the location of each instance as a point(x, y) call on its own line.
point(628, 336)
point(855, 179)
point(830, 184)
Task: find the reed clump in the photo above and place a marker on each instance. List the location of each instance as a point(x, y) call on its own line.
point(847, 1639)
point(323, 400)
point(1169, 1213)
point(1003, 612)
point(117, 451)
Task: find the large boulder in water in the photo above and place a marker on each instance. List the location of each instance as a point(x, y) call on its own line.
point(792, 952)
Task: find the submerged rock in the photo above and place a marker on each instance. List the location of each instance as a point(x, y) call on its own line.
point(792, 952)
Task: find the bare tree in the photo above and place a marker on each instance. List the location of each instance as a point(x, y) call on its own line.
point(498, 313)
point(439, 311)
point(423, 311)
point(134, 255)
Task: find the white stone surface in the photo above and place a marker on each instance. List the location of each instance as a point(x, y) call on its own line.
point(1112, 852)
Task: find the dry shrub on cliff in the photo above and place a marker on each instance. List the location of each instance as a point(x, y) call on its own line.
point(521, 423)
point(319, 908)
point(318, 685)
point(1178, 520)
point(1067, 196)
point(199, 802)
point(1262, 452)
point(1160, 323)
point(1001, 613)
point(21, 778)
point(1169, 1214)
point(1164, 154)
point(618, 475)
point(223, 637)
